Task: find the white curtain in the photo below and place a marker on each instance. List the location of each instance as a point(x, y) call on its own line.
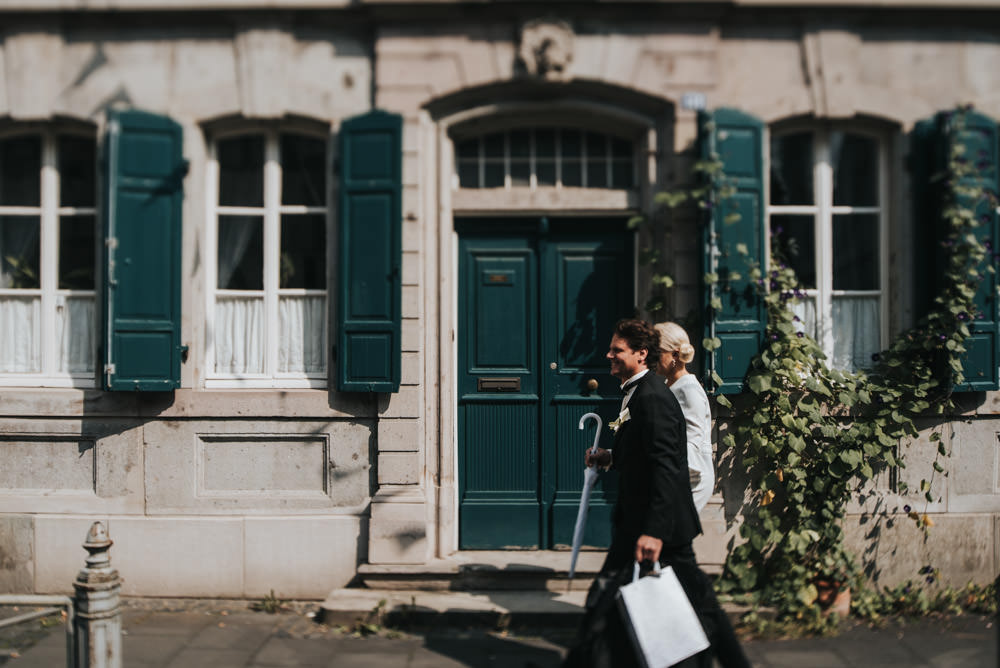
point(302, 332)
point(239, 335)
point(805, 309)
point(75, 328)
point(20, 336)
point(856, 330)
point(855, 326)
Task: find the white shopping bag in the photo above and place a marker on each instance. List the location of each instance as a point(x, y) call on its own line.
point(664, 627)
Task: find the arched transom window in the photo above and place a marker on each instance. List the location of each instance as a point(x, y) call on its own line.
point(540, 157)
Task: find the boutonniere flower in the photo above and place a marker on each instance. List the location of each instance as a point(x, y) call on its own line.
point(623, 417)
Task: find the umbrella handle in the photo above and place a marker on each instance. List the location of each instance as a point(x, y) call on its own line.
point(597, 436)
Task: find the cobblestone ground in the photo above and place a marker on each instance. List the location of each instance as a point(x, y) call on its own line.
point(967, 641)
point(289, 619)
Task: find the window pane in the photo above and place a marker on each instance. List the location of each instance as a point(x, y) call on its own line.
point(467, 149)
point(597, 174)
point(77, 170)
point(302, 327)
point(303, 252)
point(241, 171)
point(20, 171)
point(493, 145)
point(794, 239)
point(597, 146)
point(520, 172)
point(856, 332)
point(855, 169)
point(76, 252)
point(571, 173)
point(241, 253)
point(545, 172)
point(239, 335)
point(855, 252)
point(621, 174)
point(20, 334)
point(20, 257)
point(494, 173)
point(571, 143)
point(75, 328)
point(620, 148)
point(545, 143)
point(303, 170)
point(792, 169)
point(468, 173)
point(804, 308)
point(520, 144)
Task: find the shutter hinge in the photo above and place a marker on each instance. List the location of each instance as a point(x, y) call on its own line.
point(109, 370)
point(111, 242)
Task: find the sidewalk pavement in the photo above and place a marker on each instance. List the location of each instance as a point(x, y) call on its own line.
point(227, 634)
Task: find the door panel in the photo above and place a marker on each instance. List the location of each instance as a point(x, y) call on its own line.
point(587, 287)
point(537, 304)
point(498, 396)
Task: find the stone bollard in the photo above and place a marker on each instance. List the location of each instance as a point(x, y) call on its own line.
point(97, 607)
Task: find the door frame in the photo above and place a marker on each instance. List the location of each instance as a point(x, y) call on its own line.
point(440, 335)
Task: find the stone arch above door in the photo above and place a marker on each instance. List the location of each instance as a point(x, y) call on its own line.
point(644, 121)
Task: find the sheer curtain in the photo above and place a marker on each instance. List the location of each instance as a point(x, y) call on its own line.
point(75, 328)
point(302, 334)
point(856, 330)
point(239, 335)
point(20, 336)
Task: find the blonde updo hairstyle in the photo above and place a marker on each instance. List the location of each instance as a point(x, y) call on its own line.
point(673, 337)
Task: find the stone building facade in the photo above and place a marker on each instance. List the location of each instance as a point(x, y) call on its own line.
point(531, 133)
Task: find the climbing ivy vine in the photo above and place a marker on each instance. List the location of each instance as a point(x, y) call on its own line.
point(810, 436)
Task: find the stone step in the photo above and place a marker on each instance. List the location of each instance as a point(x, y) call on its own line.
point(487, 571)
point(420, 608)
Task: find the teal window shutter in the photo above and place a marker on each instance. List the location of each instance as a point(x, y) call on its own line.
point(932, 143)
point(734, 243)
point(144, 173)
point(370, 253)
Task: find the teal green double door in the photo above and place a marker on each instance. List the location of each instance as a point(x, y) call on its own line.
point(538, 300)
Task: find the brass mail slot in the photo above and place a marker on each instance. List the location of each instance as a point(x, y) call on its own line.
point(499, 384)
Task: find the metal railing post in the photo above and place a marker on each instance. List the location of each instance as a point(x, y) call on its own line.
point(97, 606)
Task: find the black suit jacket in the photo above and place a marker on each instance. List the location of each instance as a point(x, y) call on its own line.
point(650, 455)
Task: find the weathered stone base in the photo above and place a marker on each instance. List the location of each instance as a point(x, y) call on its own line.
point(301, 557)
point(962, 547)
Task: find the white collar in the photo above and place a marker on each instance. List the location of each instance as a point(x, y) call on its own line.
point(635, 378)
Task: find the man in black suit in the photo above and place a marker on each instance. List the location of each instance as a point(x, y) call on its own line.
point(654, 517)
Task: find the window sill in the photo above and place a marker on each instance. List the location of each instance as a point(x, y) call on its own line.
point(68, 382)
point(473, 200)
point(265, 383)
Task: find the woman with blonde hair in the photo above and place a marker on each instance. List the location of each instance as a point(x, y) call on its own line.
point(676, 353)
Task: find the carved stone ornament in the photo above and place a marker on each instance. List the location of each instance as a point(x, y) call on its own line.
point(546, 49)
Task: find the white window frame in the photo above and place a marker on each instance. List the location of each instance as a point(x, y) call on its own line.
point(51, 296)
point(559, 129)
point(823, 210)
point(271, 213)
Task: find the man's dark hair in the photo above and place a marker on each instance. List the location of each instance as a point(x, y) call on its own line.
point(640, 335)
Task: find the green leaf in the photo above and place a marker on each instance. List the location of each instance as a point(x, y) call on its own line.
point(929, 497)
point(938, 467)
point(941, 449)
point(759, 383)
point(807, 595)
point(724, 402)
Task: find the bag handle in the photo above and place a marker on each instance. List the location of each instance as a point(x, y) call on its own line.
point(635, 569)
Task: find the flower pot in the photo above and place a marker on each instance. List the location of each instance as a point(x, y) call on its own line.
point(833, 597)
